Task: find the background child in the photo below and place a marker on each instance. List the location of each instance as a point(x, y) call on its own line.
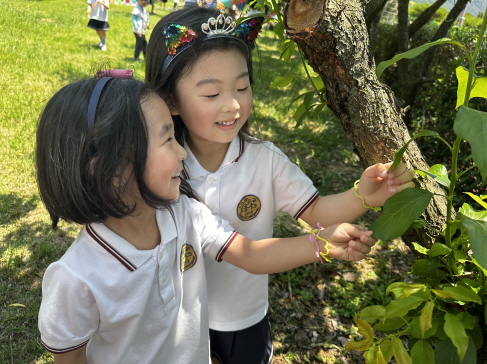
point(132, 287)
point(98, 14)
point(140, 22)
point(202, 66)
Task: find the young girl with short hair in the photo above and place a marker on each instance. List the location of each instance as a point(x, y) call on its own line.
point(132, 286)
point(98, 14)
point(200, 62)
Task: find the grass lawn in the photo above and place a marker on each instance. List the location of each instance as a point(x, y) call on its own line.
point(45, 45)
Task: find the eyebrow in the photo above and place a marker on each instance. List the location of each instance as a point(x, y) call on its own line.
point(216, 81)
point(166, 128)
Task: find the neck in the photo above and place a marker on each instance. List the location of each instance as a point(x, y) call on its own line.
point(140, 230)
point(210, 155)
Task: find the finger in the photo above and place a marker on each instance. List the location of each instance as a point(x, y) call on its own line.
point(404, 177)
point(401, 167)
point(358, 246)
point(398, 188)
point(354, 231)
point(368, 239)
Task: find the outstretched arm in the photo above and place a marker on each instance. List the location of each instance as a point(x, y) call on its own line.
point(376, 186)
point(346, 242)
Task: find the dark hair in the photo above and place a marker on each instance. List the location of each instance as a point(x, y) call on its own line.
point(165, 83)
point(80, 172)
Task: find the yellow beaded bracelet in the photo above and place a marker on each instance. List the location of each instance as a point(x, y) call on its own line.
point(314, 236)
point(355, 191)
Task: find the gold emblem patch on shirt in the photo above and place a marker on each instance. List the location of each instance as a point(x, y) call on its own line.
point(248, 207)
point(188, 257)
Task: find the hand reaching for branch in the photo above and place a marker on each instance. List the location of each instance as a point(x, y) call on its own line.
point(347, 242)
point(377, 184)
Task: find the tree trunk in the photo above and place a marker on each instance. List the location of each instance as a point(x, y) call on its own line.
point(333, 36)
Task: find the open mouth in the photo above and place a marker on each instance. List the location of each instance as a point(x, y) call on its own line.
point(227, 123)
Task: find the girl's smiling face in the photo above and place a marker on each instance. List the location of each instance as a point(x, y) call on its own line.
point(214, 100)
point(164, 154)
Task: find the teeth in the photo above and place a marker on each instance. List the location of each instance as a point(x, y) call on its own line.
point(228, 122)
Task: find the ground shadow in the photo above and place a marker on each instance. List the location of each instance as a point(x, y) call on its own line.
point(13, 207)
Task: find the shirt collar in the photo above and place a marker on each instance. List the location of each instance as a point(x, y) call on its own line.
point(130, 257)
point(192, 168)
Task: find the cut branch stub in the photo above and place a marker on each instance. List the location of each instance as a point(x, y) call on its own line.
point(306, 15)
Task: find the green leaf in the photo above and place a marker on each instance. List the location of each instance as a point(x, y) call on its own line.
point(412, 53)
point(458, 293)
point(400, 352)
point(372, 313)
point(370, 354)
point(279, 30)
point(288, 48)
point(468, 211)
point(468, 321)
point(422, 353)
point(400, 210)
point(317, 82)
point(439, 249)
point(477, 199)
point(479, 88)
point(441, 174)
point(283, 81)
point(445, 353)
point(421, 249)
point(402, 306)
point(17, 305)
point(400, 152)
point(416, 328)
point(392, 324)
point(386, 349)
point(366, 331)
point(471, 125)
point(309, 98)
point(477, 234)
point(455, 331)
point(425, 320)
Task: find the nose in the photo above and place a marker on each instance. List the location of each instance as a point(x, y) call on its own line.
point(231, 104)
point(182, 154)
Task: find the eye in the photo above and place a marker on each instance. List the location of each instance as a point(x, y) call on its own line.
point(243, 89)
point(211, 96)
point(170, 139)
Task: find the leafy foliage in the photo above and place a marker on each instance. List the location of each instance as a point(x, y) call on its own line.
point(440, 316)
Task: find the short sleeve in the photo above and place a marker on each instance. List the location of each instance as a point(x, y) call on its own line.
point(293, 190)
point(215, 233)
point(68, 315)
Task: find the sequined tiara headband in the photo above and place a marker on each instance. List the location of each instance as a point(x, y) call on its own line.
point(178, 37)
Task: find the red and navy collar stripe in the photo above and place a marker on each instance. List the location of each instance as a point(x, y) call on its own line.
point(242, 148)
point(185, 174)
point(125, 262)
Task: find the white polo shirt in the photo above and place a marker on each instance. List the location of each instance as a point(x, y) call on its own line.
point(254, 183)
point(99, 12)
point(135, 306)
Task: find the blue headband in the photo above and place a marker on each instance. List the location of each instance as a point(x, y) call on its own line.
point(95, 97)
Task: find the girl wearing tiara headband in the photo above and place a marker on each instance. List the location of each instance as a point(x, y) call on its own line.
point(200, 62)
point(132, 287)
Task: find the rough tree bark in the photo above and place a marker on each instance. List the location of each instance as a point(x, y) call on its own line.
point(332, 34)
